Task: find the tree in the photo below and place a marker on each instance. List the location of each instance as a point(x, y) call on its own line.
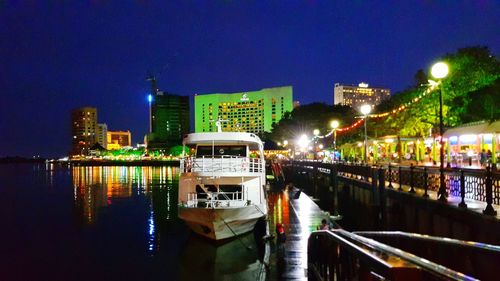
point(471, 69)
point(306, 118)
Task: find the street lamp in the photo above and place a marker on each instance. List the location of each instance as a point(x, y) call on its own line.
point(316, 134)
point(303, 143)
point(440, 71)
point(150, 99)
point(365, 110)
point(334, 124)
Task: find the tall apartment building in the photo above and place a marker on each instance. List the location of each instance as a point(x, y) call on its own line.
point(83, 130)
point(118, 139)
point(252, 112)
point(102, 135)
point(169, 120)
point(355, 96)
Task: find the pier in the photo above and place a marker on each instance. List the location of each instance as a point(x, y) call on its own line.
point(401, 217)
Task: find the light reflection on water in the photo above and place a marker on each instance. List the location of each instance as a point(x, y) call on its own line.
point(97, 188)
point(106, 223)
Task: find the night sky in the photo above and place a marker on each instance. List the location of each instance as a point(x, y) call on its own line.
point(59, 56)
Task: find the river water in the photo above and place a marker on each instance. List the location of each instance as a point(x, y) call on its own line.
point(107, 223)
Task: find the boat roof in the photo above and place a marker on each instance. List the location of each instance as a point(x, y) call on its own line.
point(224, 138)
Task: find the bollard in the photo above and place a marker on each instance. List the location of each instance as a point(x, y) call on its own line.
point(426, 195)
point(462, 190)
point(489, 194)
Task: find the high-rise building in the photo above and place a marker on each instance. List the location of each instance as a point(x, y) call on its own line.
point(169, 120)
point(118, 139)
point(355, 96)
point(102, 135)
point(253, 112)
point(83, 130)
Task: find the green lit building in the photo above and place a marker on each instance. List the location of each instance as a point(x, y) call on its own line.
point(169, 120)
point(253, 112)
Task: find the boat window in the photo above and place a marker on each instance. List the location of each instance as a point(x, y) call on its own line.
point(221, 150)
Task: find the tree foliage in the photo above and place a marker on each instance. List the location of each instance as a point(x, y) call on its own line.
point(471, 69)
point(306, 118)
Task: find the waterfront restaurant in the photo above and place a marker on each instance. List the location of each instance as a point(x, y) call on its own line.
point(468, 140)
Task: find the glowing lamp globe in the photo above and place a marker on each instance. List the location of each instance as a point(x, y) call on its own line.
point(316, 132)
point(334, 124)
point(439, 70)
point(303, 141)
point(365, 109)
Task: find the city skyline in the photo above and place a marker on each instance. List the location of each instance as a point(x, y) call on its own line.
point(64, 56)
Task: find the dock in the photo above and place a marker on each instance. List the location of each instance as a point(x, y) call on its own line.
point(301, 216)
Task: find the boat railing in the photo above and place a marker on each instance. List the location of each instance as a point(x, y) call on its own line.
point(215, 199)
point(222, 164)
point(342, 255)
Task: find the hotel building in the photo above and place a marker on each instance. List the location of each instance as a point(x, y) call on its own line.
point(355, 96)
point(253, 112)
point(83, 130)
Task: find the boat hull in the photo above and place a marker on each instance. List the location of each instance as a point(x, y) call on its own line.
point(219, 224)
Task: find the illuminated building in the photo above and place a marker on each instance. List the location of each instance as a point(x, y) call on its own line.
point(252, 112)
point(83, 130)
point(471, 139)
point(355, 96)
point(102, 135)
point(118, 139)
point(169, 120)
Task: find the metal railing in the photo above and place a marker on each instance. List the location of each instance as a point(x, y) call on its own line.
point(472, 258)
point(215, 199)
point(341, 255)
point(476, 184)
point(222, 164)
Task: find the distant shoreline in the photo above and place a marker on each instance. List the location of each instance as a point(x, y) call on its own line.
point(18, 159)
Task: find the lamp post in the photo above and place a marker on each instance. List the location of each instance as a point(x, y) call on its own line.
point(365, 110)
point(316, 134)
point(150, 99)
point(440, 71)
point(334, 124)
point(302, 143)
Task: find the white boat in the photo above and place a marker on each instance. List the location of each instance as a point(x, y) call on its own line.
point(221, 186)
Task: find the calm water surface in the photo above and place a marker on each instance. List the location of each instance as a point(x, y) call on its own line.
point(107, 223)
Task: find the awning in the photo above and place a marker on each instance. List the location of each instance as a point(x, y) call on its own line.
point(475, 128)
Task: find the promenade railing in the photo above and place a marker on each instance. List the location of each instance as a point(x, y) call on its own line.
point(475, 184)
point(341, 255)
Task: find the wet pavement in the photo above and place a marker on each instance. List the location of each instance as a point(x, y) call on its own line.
point(301, 216)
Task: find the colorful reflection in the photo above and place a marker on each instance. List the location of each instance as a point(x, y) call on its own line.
point(279, 208)
point(98, 188)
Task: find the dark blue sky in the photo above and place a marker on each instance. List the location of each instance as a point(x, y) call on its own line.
point(55, 57)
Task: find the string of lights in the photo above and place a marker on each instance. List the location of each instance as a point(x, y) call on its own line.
point(401, 108)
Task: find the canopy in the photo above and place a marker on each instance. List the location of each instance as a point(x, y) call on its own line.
point(475, 128)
